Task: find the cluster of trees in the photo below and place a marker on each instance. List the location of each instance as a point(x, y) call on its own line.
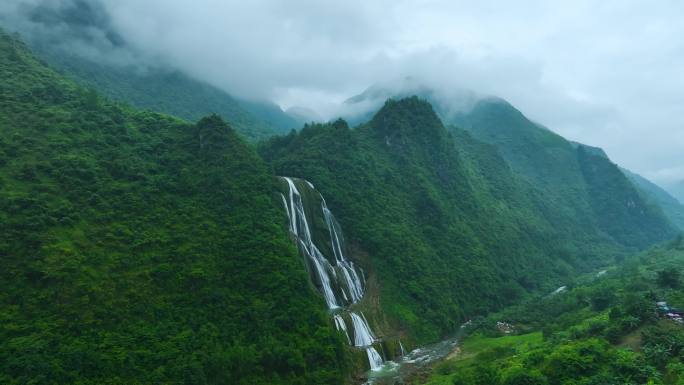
point(450, 231)
point(137, 248)
point(603, 331)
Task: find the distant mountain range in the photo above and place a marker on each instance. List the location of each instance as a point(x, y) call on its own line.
point(542, 157)
point(677, 190)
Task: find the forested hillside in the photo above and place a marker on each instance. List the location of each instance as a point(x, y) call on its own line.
point(189, 195)
point(672, 208)
point(449, 231)
point(584, 185)
point(170, 92)
point(140, 248)
point(583, 189)
point(618, 326)
point(77, 38)
point(137, 248)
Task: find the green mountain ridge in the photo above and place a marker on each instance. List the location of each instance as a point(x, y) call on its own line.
point(170, 92)
point(569, 174)
point(439, 215)
point(546, 160)
point(671, 206)
point(138, 248)
point(77, 38)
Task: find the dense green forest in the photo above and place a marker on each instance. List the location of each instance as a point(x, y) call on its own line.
point(612, 327)
point(586, 188)
point(137, 248)
point(449, 230)
point(559, 169)
point(672, 208)
point(140, 248)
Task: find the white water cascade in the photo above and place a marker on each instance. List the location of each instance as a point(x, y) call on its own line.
point(374, 358)
point(340, 325)
point(362, 333)
point(339, 282)
point(363, 337)
point(300, 227)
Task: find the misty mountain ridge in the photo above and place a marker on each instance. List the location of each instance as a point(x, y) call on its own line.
point(165, 90)
point(672, 207)
point(677, 190)
point(144, 248)
point(77, 38)
point(495, 121)
point(446, 101)
point(146, 85)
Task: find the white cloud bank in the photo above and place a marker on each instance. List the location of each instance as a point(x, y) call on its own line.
point(606, 73)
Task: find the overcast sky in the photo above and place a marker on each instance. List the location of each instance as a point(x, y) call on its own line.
point(605, 73)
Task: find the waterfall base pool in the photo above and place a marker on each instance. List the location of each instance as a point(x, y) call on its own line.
point(403, 368)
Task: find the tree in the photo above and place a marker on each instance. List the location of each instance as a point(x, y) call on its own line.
point(602, 298)
point(669, 277)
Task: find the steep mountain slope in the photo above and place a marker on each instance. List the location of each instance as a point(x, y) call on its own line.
point(618, 326)
point(279, 121)
point(438, 220)
point(582, 181)
point(77, 38)
point(677, 190)
point(554, 166)
point(137, 248)
point(655, 194)
point(171, 92)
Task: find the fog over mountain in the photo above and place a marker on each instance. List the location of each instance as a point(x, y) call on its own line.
point(607, 74)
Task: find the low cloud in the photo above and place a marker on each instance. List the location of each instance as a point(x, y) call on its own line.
point(604, 73)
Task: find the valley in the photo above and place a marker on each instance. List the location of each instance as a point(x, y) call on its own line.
point(156, 229)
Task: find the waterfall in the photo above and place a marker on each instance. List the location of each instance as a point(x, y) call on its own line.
point(374, 358)
point(352, 281)
point(403, 352)
point(362, 333)
point(340, 283)
point(339, 323)
point(334, 237)
point(299, 226)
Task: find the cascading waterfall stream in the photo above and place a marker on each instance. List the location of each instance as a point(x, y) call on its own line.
point(362, 333)
point(340, 325)
point(374, 358)
point(363, 337)
point(339, 283)
point(300, 227)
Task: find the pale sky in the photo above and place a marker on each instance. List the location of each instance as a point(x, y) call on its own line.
point(605, 73)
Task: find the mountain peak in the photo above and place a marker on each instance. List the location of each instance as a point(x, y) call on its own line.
point(409, 122)
point(411, 112)
point(213, 134)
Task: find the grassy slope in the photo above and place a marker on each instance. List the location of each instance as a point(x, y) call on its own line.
point(137, 248)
